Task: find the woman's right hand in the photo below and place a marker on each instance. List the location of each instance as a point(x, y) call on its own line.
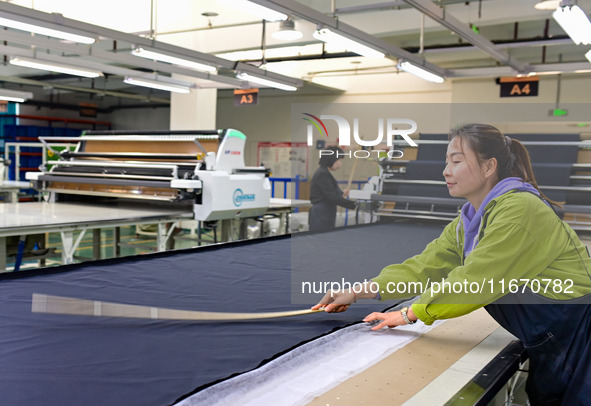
point(336, 301)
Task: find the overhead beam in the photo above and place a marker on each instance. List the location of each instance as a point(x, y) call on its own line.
point(77, 62)
point(299, 10)
point(459, 28)
point(79, 89)
point(389, 5)
point(563, 67)
point(59, 20)
point(124, 58)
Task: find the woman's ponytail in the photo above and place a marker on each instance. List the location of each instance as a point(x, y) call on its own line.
point(521, 167)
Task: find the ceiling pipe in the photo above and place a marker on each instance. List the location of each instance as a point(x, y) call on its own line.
point(299, 10)
point(463, 31)
point(432, 49)
point(124, 58)
point(140, 41)
point(390, 5)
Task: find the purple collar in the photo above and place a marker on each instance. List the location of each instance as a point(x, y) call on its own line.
point(471, 218)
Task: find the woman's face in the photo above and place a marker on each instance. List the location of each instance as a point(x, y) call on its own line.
point(464, 176)
point(337, 164)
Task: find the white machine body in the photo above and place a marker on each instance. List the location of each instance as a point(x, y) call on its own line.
point(226, 196)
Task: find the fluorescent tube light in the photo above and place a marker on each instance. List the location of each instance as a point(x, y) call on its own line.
point(15, 95)
point(548, 72)
point(266, 82)
point(255, 9)
point(588, 55)
point(54, 67)
point(547, 5)
point(326, 35)
point(156, 84)
point(144, 53)
point(46, 31)
point(575, 23)
point(420, 72)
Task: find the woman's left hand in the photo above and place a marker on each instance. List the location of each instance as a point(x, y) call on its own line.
point(390, 319)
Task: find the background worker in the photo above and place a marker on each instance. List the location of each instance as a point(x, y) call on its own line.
point(325, 193)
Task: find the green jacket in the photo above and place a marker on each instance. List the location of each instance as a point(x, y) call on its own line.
point(522, 244)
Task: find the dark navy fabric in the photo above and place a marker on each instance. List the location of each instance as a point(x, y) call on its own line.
point(552, 166)
point(557, 338)
point(432, 152)
point(550, 154)
point(538, 153)
point(425, 170)
point(78, 360)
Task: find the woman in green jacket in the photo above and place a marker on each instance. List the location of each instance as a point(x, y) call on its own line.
point(508, 252)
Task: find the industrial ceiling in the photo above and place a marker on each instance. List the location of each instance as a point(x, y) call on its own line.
point(450, 38)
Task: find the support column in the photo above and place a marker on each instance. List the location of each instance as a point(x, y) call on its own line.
point(193, 111)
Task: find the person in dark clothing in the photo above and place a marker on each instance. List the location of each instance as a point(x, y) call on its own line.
point(325, 193)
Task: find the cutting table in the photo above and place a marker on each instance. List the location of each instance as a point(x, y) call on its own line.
point(48, 359)
point(10, 188)
point(73, 220)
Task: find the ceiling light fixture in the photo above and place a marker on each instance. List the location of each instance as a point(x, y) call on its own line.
point(420, 72)
point(50, 32)
point(156, 84)
point(145, 53)
point(14, 95)
point(548, 72)
point(575, 23)
point(266, 82)
point(287, 31)
point(547, 5)
point(328, 36)
point(255, 9)
point(55, 67)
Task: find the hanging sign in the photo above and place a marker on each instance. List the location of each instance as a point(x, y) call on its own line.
point(87, 109)
point(519, 87)
point(246, 97)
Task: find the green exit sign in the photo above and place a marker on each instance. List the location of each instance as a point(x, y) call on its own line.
point(559, 112)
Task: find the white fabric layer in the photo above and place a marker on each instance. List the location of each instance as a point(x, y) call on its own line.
point(311, 369)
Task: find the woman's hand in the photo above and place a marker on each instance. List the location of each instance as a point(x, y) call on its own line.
point(390, 319)
point(336, 301)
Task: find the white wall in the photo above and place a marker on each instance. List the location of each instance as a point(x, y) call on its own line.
point(121, 119)
point(141, 119)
